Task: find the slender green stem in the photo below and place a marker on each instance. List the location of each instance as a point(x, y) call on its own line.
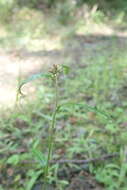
point(51, 132)
point(18, 84)
point(56, 92)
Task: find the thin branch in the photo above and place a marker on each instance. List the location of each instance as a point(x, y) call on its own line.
point(108, 156)
point(92, 160)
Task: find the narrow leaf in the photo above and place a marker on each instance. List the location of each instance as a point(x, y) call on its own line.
point(39, 156)
point(14, 159)
point(66, 69)
point(88, 108)
point(33, 180)
point(32, 78)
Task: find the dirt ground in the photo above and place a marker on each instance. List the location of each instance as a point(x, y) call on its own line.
point(77, 51)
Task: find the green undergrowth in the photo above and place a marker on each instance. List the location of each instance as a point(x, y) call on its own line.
point(91, 123)
point(27, 28)
point(92, 120)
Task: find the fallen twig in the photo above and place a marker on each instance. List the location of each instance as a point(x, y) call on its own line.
point(108, 156)
point(91, 160)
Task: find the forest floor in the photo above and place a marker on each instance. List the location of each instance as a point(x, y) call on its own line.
point(78, 51)
point(15, 64)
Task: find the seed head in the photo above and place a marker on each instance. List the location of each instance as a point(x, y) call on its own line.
point(55, 70)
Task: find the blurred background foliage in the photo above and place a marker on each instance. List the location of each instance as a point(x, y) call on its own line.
point(18, 18)
point(9, 7)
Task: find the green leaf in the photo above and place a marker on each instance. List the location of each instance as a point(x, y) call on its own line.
point(39, 156)
point(14, 159)
point(87, 108)
point(32, 78)
point(66, 69)
point(112, 166)
point(33, 179)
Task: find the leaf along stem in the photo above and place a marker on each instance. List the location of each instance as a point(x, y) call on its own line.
point(51, 133)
